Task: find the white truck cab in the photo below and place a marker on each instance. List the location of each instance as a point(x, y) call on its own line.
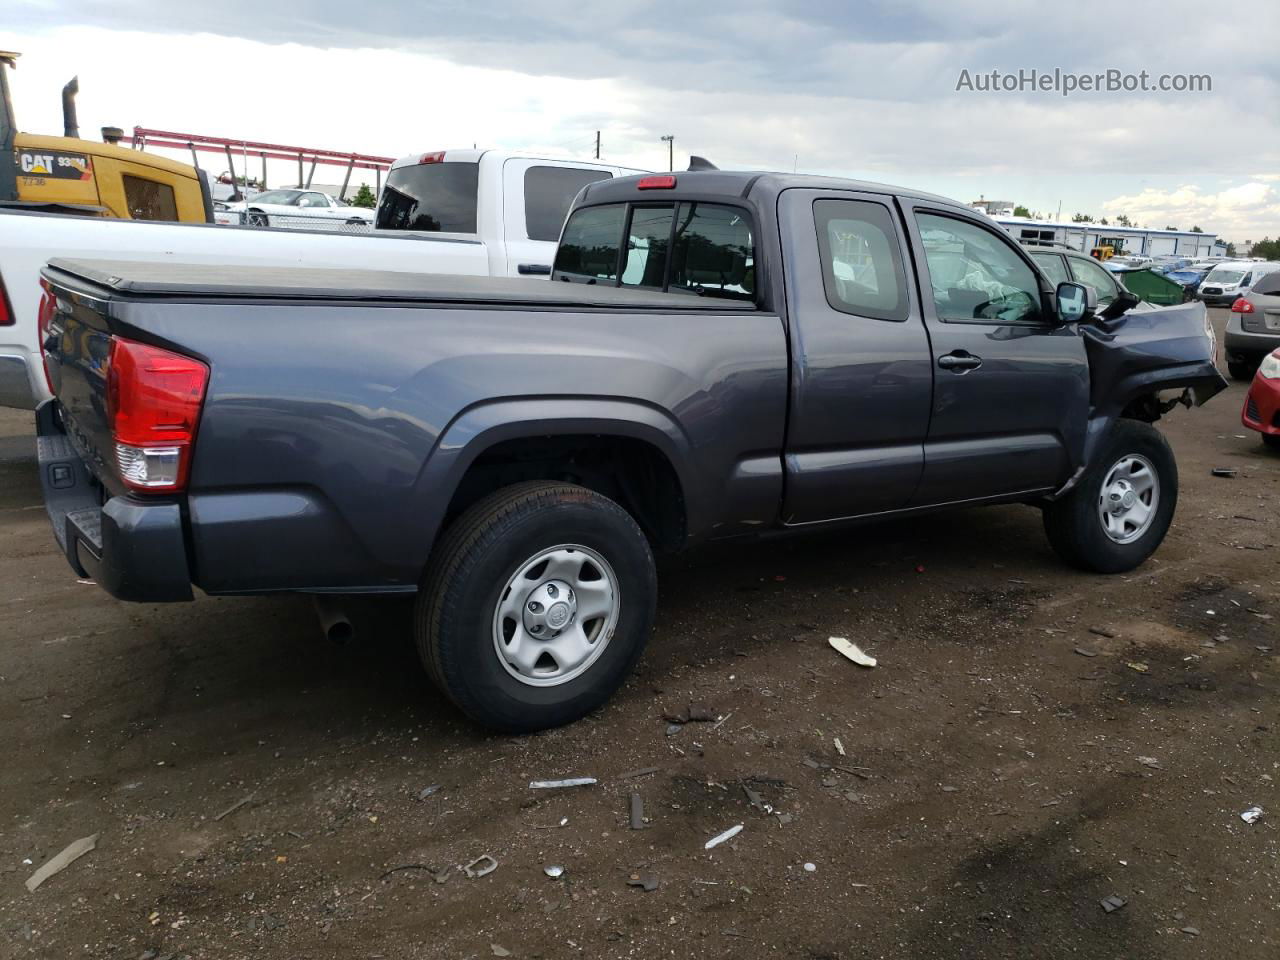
point(511, 206)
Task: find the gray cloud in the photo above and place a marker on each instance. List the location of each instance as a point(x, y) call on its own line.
point(865, 86)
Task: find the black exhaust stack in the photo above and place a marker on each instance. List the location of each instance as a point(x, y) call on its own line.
point(8, 130)
point(70, 126)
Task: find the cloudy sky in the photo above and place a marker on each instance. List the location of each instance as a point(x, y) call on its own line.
point(864, 88)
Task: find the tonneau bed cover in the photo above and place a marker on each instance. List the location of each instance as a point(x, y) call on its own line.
point(148, 280)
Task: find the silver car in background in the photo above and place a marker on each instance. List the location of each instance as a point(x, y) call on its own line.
point(1253, 330)
point(300, 210)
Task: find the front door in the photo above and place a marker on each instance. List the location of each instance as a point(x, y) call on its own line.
point(1011, 383)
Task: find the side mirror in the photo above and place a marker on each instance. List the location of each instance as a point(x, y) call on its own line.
point(1124, 302)
point(1076, 302)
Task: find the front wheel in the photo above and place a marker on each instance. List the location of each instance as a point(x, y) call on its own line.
point(255, 219)
point(536, 604)
point(1119, 512)
point(1272, 440)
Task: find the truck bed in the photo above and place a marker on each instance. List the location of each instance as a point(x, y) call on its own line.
point(212, 282)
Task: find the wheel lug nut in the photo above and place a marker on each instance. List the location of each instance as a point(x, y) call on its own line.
point(536, 628)
point(551, 590)
point(534, 606)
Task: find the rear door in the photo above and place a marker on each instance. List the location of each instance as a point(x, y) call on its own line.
point(1011, 384)
point(861, 371)
point(536, 195)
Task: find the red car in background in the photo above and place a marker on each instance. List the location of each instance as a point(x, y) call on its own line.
point(1262, 405)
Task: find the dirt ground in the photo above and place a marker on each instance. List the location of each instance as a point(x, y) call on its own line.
point(1033, 740)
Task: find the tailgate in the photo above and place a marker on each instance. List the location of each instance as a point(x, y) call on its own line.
point(77, 345)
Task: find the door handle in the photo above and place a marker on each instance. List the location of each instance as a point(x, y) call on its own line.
point(534, 269)
point(959, 360)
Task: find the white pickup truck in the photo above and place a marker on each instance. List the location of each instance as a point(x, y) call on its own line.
point(470, 212)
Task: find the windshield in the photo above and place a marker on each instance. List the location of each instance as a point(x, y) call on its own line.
point(1226, 275)
point(430, 196)
point(277, 196)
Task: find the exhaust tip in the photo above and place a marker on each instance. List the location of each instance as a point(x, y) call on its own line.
point(334, 622)
point(340, 631)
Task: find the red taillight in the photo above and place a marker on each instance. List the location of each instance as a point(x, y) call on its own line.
point(437, 157)
point(44, 319)
point(6, 311)
point(153, 405)
point(656, 183)
point(1242, 306)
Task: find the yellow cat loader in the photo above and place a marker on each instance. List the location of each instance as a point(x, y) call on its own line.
point(69, 175)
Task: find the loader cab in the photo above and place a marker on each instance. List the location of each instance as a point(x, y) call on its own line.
point(73, 176)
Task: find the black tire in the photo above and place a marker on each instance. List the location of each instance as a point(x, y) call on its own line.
point(466, 579)
point(1272, 440)
point(257, 219)
point(1073, 525)
point(1240, 371)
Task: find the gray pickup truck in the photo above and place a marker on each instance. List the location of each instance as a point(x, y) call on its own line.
point(717, 355)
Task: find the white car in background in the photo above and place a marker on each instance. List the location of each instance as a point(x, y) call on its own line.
point(298, 210)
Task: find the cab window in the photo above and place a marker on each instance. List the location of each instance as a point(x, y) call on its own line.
point(645, 255)
point(704, 249)
point(1053, 267)
point(548, 192)
point(1092, 275)
point(974, 275)
point(588, 251)
point(148, 200)
point(861, 262)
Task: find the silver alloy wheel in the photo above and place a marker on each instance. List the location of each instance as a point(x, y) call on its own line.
point(556, 615)
point(1129, 498)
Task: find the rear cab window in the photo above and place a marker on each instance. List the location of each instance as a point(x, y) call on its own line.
point(693, 247)
point(436, 196)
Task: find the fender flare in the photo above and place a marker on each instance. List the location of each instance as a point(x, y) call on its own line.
point(480, 427)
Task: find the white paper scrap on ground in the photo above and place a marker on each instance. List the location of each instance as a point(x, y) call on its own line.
point(63, 860)
point(850, 649)
point(720, 838)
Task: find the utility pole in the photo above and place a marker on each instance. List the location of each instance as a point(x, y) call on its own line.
point(597, 144)
point(671, 151)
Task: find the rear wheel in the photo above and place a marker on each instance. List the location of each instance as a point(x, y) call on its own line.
point(1240, 370)
point(537, 603)
point(1119, 512)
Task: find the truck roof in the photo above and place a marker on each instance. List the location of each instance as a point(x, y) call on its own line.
point(739, 183)
point(473, 155)
point(165, 279)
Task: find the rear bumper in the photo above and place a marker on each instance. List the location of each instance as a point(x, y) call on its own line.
point(135, 550)
point(15, 382)
point(1241, 344)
